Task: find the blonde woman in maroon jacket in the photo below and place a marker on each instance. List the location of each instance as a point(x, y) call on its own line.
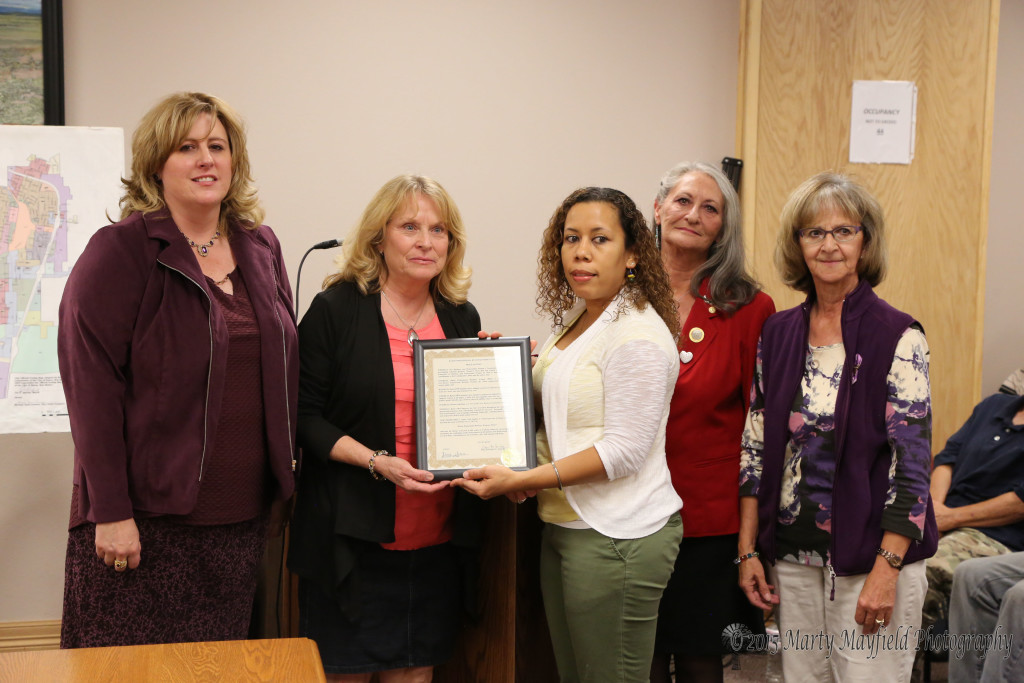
point(177, 350)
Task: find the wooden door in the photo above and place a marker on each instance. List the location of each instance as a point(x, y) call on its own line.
point(798, 61)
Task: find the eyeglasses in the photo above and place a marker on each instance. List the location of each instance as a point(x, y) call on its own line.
point(841, 233)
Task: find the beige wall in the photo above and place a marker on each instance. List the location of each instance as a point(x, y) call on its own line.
point(1003, 349)
point(510, 105)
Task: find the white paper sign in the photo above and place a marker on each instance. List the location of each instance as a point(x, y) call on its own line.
point(883, 119)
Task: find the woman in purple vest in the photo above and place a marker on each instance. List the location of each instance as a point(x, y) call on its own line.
point(837, 450)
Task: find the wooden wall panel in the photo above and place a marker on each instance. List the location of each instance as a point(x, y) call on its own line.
point(486, 651)
point(800, 58)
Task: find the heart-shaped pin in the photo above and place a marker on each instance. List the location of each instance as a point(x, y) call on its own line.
point(686, 356)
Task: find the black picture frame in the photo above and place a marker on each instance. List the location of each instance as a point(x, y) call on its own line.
point(34, 100)
point(53, 62)
point(434, 450)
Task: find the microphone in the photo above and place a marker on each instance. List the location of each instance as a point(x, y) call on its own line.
point(326, 244)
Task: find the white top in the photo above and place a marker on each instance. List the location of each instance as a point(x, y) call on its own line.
point(611, 389)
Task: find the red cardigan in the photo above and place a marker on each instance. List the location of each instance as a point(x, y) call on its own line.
point(708, 411)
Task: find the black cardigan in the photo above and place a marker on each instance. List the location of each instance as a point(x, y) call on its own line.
point(347, 387)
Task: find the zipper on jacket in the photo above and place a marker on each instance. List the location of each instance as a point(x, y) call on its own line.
point(209, 367)
point(840, 440)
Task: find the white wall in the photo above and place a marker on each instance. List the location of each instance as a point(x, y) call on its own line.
point(510, 105)
point(1003, 348)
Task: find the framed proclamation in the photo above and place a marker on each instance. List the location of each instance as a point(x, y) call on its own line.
point(474, 404)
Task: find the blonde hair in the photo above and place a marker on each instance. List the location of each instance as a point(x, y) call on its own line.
point(362, 261)
point(159, 134)
point(830, 192)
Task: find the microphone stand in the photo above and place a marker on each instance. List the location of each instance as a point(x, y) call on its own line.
point(326, 244)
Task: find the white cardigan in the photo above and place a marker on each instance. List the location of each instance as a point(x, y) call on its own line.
point(624, 420)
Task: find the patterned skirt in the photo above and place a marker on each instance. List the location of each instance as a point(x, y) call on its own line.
point(194, 583)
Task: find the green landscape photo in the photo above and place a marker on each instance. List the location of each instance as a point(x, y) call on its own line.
point(21, 62)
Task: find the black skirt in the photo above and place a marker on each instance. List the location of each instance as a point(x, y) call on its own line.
point(703, 605)
point(406, 614)
point(194, 583)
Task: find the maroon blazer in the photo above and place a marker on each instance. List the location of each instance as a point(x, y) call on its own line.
point(708, 410)
point(142, 358)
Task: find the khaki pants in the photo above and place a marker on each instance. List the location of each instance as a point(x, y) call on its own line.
point(807, 620)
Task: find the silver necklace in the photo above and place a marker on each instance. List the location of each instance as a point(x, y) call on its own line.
point(411, 336)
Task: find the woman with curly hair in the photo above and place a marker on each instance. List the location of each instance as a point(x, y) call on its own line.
point(612, 517)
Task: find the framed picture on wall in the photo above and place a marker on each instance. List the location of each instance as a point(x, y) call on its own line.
point(31, 62)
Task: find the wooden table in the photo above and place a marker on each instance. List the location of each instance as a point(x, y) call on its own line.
point(288, 659)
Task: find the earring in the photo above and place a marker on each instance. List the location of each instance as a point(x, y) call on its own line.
point(630, 273)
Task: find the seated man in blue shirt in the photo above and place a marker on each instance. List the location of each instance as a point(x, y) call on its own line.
point(977, 490)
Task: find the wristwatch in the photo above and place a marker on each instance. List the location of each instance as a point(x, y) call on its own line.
point(894, 560)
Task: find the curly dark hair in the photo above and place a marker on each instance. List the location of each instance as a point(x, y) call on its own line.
point(650, 286)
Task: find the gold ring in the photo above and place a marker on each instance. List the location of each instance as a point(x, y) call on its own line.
point(120, 565)
point(880, 622)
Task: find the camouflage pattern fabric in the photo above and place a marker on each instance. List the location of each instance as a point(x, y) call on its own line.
point(1014, 384)
point(954, 547)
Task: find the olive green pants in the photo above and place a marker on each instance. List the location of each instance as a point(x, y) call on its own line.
point(601, 599)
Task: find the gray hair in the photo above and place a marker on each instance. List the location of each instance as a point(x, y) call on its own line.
point(729, 284)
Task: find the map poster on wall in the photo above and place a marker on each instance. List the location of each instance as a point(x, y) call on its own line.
point(57, 187)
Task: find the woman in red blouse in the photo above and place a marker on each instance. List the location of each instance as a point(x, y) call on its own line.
point(697, 214)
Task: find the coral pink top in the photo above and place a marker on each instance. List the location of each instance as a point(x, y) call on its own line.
point(421, 519)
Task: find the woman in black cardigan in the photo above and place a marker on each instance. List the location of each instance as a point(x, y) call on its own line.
point(384, 554)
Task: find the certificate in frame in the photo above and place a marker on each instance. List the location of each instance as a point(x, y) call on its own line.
point(474, 405)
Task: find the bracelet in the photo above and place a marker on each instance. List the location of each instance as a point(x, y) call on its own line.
point(557, 476)
point(373, 472)
point(894, 560)
point(748, 556)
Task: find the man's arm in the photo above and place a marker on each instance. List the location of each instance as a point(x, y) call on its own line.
point(1004, 509)
point(942, 477)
